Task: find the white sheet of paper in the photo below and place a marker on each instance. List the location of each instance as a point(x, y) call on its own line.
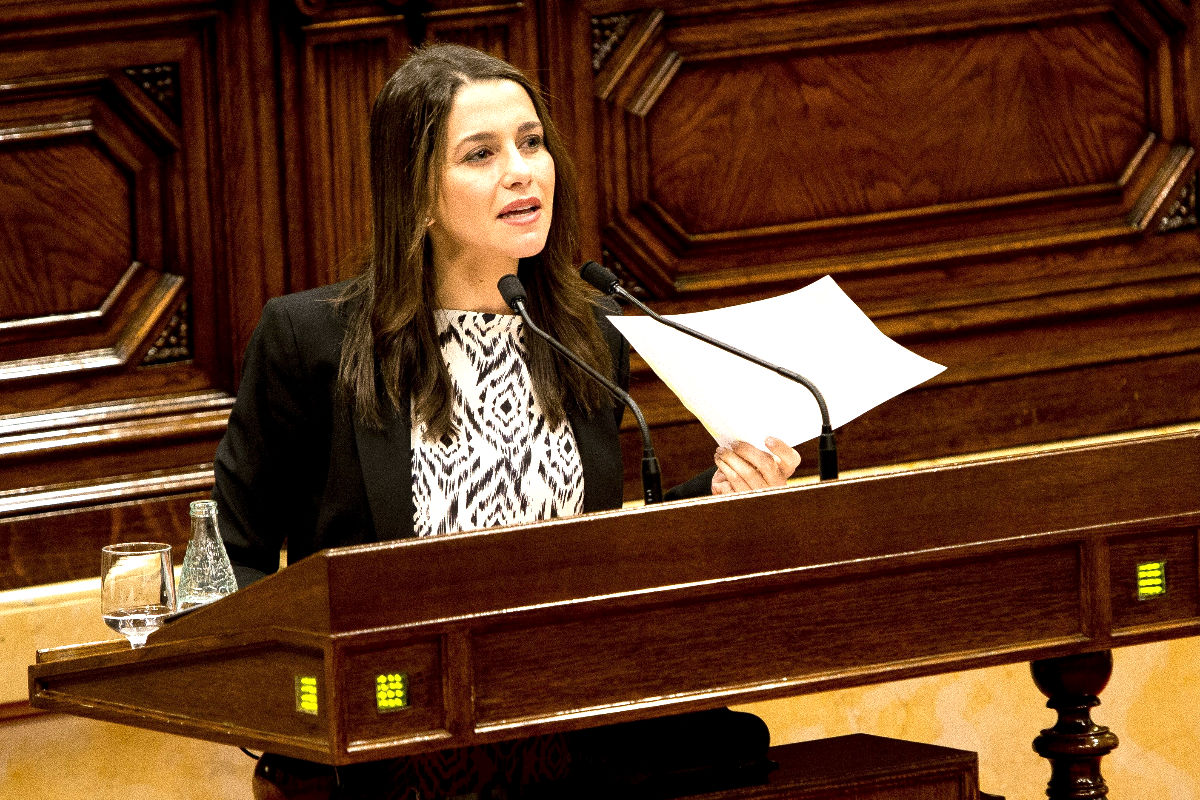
point(816, 331)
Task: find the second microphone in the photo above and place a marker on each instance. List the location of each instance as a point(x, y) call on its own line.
point(514, 295)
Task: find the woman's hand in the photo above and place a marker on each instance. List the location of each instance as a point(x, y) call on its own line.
point(743, 466)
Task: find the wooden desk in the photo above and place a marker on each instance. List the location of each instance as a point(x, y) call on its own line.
point(641, 613)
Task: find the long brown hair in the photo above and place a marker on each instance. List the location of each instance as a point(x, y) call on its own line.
point(391, 347)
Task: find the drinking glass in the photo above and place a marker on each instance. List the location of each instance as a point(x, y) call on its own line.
point(137, 588)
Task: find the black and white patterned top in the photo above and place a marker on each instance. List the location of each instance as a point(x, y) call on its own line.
point(504, 465)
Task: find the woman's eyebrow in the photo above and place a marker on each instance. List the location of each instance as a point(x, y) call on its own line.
point(489, 136)
point(483, 136)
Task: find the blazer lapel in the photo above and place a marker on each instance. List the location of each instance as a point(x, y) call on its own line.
point(386, 460)
point(600, 457)
point(598, 436)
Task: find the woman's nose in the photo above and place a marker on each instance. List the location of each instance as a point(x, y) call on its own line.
point(518, 169)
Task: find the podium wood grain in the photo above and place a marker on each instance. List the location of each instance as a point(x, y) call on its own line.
point(646, 612)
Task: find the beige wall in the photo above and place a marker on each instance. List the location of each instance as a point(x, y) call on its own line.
point(56, 756)
point(995, 712)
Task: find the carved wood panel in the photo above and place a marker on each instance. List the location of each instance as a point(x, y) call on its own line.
point(115, 347)
point(166, 168)
point(506, 30)
point(91, 168)
point(338, 69)
point(988, 180)
point(790, 144)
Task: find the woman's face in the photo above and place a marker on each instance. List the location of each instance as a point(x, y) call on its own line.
point(496, 196)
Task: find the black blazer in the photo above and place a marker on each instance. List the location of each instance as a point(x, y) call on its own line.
point(294, 465)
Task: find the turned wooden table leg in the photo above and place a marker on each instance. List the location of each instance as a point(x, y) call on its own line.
point(1075, 744)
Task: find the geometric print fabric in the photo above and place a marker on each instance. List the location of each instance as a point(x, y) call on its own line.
point(501, 465)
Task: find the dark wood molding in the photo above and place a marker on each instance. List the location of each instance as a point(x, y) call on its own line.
point(160, 82)
point(58, 531)
point(76, 477)
point(97, 314)
point(132, 338)
point(1182, 214)
point(175, 342)
point(25, 21)
point(118, 488)
point(75, 447)
point(607, 33)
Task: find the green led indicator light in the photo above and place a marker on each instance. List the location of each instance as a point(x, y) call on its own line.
point(1151, 579)
point(391, 692)
point(306, 694)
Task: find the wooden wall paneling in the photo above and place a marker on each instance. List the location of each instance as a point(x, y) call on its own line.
point(248, 179)
point(1133, 363)
point(73, 266)
point(65, 545)
point(169, 167)
point(114, 344)
point(900, 143)
point(332, 67)
point(971, 173)
point(506, 30)
point(934, 422)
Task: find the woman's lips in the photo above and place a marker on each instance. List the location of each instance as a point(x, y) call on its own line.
point(523, 219)
point(522, 211)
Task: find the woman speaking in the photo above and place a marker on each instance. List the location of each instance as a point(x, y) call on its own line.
point(408, 401)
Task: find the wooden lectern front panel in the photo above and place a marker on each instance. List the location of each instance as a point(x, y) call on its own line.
point(393, 693)
point(609, 617)
point(1154, 579)
point(251, 694)
point(776, 635)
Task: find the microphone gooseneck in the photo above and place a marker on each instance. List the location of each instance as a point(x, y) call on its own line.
point(514, 295)
point(603, 279)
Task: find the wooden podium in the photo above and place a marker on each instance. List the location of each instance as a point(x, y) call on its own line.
point(362, 653)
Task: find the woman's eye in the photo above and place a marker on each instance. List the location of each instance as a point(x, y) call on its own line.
point(478, 155)
point(533, 142)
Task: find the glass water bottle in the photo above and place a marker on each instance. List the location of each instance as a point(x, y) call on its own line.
point(207, 574)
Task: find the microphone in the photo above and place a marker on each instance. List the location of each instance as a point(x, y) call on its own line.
point(827, 460)
point(514, 295)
